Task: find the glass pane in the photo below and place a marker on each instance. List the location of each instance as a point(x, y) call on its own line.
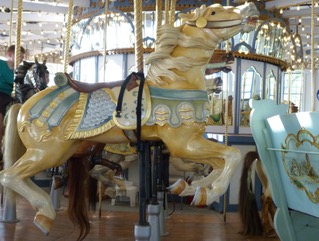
point(219, 86)
point(293, 88)
point(271, 86)
point(251, 87)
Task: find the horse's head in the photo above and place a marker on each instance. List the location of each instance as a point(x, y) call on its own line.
point(39, 72)
point(214, 85)
point(224, 22)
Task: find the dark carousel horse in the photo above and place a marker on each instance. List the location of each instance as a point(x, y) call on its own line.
point(30, 79)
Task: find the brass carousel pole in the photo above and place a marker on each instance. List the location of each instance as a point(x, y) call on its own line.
point(142, 230)
point(105, 39)
point(9, 213)
point(226, 125)
point(172, 12)
point(11, 23)
point(104, 80)
point(166, 11)
point(67, 38)
point(312, 55)
point(138, 35)
point(56, 193)
point(159, 15)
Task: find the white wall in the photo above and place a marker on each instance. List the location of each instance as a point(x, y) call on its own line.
point(308, 97)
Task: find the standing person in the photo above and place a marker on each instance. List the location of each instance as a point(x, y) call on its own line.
point(6, 84)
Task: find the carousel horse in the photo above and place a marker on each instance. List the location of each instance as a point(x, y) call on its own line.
point(253, 223)
point(122, 156)
point(30, 79)
point(53, 123)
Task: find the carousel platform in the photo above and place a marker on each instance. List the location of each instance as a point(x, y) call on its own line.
point(117, 222)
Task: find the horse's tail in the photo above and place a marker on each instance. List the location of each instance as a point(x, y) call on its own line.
point(247, 202)
point(77, 210)
point(13, 146)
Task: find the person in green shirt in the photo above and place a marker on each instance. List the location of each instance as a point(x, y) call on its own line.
point(6, 84)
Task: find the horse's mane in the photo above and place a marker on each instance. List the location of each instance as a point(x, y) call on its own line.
point(161, 61)
point(22, 71)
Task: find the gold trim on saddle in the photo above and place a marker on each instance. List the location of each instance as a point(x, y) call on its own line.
point(93, 115)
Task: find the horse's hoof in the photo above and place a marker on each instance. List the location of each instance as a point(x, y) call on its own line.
point(200, 197)
point(43, 223)
point(188, 191)
point(178, 187)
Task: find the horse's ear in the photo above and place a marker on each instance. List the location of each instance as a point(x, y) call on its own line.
point(44, 61)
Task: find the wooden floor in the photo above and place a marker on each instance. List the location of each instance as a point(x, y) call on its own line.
point(117, 224)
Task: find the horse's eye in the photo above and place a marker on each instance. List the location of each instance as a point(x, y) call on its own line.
point(213, 13)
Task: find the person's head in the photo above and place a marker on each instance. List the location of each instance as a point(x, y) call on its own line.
point(11, 53)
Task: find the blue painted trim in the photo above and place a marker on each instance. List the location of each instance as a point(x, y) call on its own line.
point(263, 94)
point(170, 94)
point(237, 96)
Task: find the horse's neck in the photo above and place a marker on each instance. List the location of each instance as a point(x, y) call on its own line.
point(195, 76)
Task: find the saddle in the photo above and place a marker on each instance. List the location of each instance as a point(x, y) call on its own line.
point(90, 87)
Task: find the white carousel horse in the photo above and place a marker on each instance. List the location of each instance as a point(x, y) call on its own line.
point(53, 123)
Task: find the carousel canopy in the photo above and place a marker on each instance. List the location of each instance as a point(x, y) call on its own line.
point(44, 21)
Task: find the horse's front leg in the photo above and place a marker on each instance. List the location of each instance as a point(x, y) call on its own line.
point(17, 178)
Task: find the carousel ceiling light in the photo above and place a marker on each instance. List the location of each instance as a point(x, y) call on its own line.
point(298, 7)
point(300, 20)
point(281, 11)
point(303, 28)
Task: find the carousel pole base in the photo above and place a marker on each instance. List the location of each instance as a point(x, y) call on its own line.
point(153, 219)
point(162, 215)
point(55, 195)
point(10, 210)
point(142, 233)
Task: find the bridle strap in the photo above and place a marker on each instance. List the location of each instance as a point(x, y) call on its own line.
point(219, 24)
